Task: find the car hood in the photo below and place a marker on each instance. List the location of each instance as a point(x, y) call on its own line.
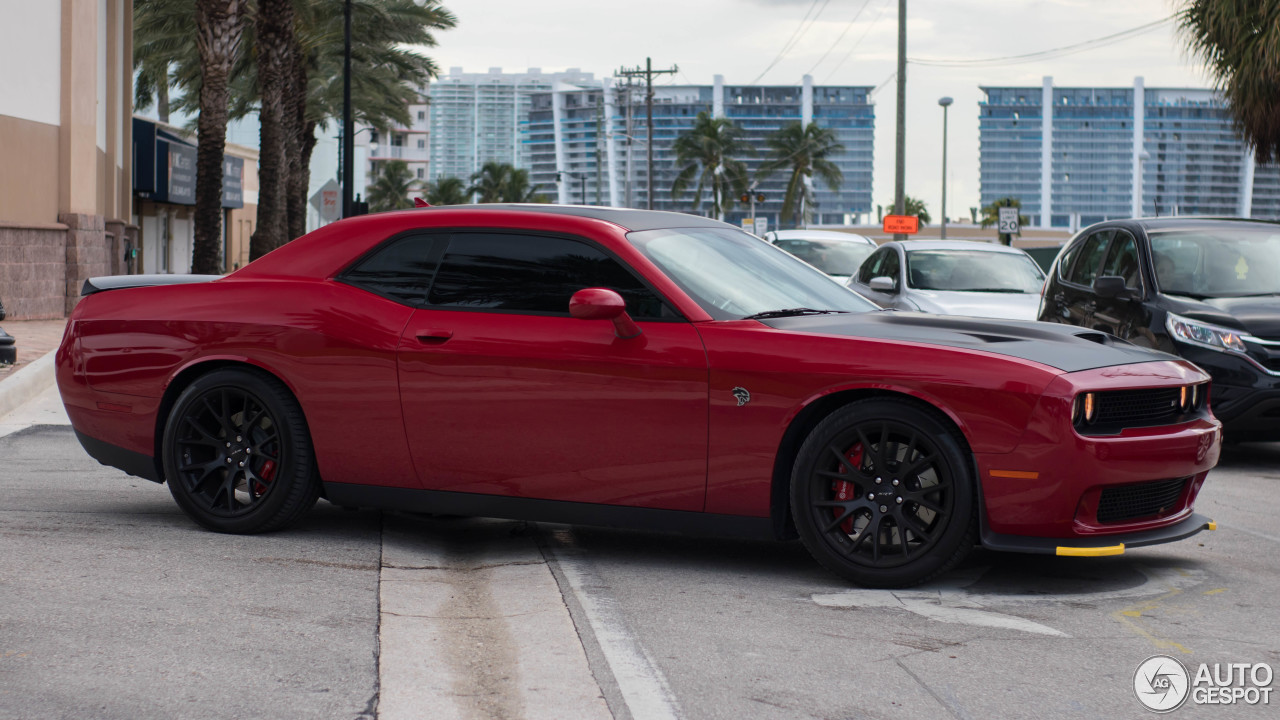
point(1065, 347)
point(1258, 316)
point(1010, 306)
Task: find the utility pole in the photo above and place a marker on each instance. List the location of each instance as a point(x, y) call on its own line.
point(900, 155)
point(599, 142)
point(648, 72)
point(348, 132)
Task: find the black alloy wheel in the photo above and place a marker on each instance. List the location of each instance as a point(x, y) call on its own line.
point(238, 455)
point(882, 493)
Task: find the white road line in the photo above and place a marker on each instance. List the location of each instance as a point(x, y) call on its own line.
point(641, 683)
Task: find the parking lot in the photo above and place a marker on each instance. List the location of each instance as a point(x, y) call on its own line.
point(115, 605)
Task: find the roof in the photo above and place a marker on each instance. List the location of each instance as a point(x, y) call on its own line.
point(626, 218)
point(912, 245)
point(835, 235)
point(1187, 222)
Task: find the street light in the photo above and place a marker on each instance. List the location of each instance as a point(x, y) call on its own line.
point(945, 103)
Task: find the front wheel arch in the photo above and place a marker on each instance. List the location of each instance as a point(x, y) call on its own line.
point(806, 420)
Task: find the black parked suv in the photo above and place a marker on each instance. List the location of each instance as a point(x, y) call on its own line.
point(1206, 289)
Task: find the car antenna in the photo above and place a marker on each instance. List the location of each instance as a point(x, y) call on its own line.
point(419, 202)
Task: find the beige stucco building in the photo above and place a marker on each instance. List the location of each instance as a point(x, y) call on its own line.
point(65, 167)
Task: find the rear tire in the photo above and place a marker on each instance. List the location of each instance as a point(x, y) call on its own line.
point(238, 455)
point(882, 493)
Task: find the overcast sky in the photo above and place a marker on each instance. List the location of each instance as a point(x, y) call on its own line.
point(741, 38)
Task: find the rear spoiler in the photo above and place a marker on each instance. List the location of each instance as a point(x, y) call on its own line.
point(118, 282)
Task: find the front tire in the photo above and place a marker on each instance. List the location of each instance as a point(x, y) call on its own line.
point(237, 453)
point(882, 493)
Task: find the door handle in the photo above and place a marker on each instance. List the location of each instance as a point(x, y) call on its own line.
point(434, 337)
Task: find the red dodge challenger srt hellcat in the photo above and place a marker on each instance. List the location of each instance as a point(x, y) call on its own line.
point(624, 367)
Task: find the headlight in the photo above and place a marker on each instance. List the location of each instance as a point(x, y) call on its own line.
point(1204, 334)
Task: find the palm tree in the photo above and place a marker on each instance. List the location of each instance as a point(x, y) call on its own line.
point(1237, 41)
point(518, 189)
point(913, 206)
point(991, 216)
point(708, 151)
point(391, 187)
point(219, 25)
point(500, 182)
point(805, 149)
point(447, 191)
point(387, 69)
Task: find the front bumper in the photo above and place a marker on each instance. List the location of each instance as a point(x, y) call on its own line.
point(1053, 486)
point(1244, 396)
point(1098, 546)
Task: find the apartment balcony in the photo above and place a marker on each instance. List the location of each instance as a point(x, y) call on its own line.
point(408, 154)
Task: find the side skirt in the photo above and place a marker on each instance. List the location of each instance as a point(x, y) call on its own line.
point(552, 511)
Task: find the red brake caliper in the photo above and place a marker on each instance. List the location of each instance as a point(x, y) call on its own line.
point(845, 490)
point(267, 472)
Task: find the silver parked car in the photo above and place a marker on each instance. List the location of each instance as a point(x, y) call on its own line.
point(952, 277)
point(838, 254)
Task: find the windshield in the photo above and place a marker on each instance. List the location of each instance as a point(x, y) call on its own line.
point(973, 271)
point(732, 275)
point(832, 257)
point(1226, 262)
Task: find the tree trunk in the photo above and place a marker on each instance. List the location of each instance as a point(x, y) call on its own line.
point(275, 46)
point(296, 211)
point(218, 28)
point(304, 171)
point(162, 93)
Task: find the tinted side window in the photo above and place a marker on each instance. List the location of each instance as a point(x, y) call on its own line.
point(401, 270)
point(1089, 258)
point(1122, 260)
point(534, 274)
point(871, 265)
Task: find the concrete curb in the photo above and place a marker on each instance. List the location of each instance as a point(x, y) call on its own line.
point(26, 383)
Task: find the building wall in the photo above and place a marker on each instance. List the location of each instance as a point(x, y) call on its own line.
point(64, 122)
point(587, 121)
point(481, 117)
point(1174, 151)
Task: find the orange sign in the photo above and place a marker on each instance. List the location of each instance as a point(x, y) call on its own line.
point(901, 224)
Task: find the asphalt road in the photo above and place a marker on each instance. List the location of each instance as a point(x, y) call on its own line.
point(113, 605)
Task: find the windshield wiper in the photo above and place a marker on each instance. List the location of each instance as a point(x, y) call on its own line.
point(996, 290)
point(789, 312)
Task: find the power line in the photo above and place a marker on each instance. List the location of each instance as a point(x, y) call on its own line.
point(1051, 53)
point(846, 30)
point(795, 38)
point(861, 37)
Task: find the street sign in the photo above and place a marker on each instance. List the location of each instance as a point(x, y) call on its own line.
point(762, 225)
point(901, 224)
point(327, 201)
point(1009, 221)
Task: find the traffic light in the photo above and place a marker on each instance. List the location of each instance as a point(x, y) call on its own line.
point(759, 197)
point(745, 198)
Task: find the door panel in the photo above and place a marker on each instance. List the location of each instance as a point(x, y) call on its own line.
point(556, 408)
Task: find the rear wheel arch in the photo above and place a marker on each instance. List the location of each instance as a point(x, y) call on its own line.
point(183, 379)
point(814, 413)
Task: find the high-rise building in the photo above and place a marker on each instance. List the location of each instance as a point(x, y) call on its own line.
point(1073, 156)
point(474, 118)
point(587, 143)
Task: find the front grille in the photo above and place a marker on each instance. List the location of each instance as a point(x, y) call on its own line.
point(1131, 502)
point(1137, 408)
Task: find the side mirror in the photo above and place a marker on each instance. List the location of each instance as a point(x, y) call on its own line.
point(884, 284)
point(604, 304)
point(1111, 286)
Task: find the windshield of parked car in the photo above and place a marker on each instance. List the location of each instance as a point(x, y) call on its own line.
point(732, 275)
point(1227, 262)
point(832, 257)
point(973, 271)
